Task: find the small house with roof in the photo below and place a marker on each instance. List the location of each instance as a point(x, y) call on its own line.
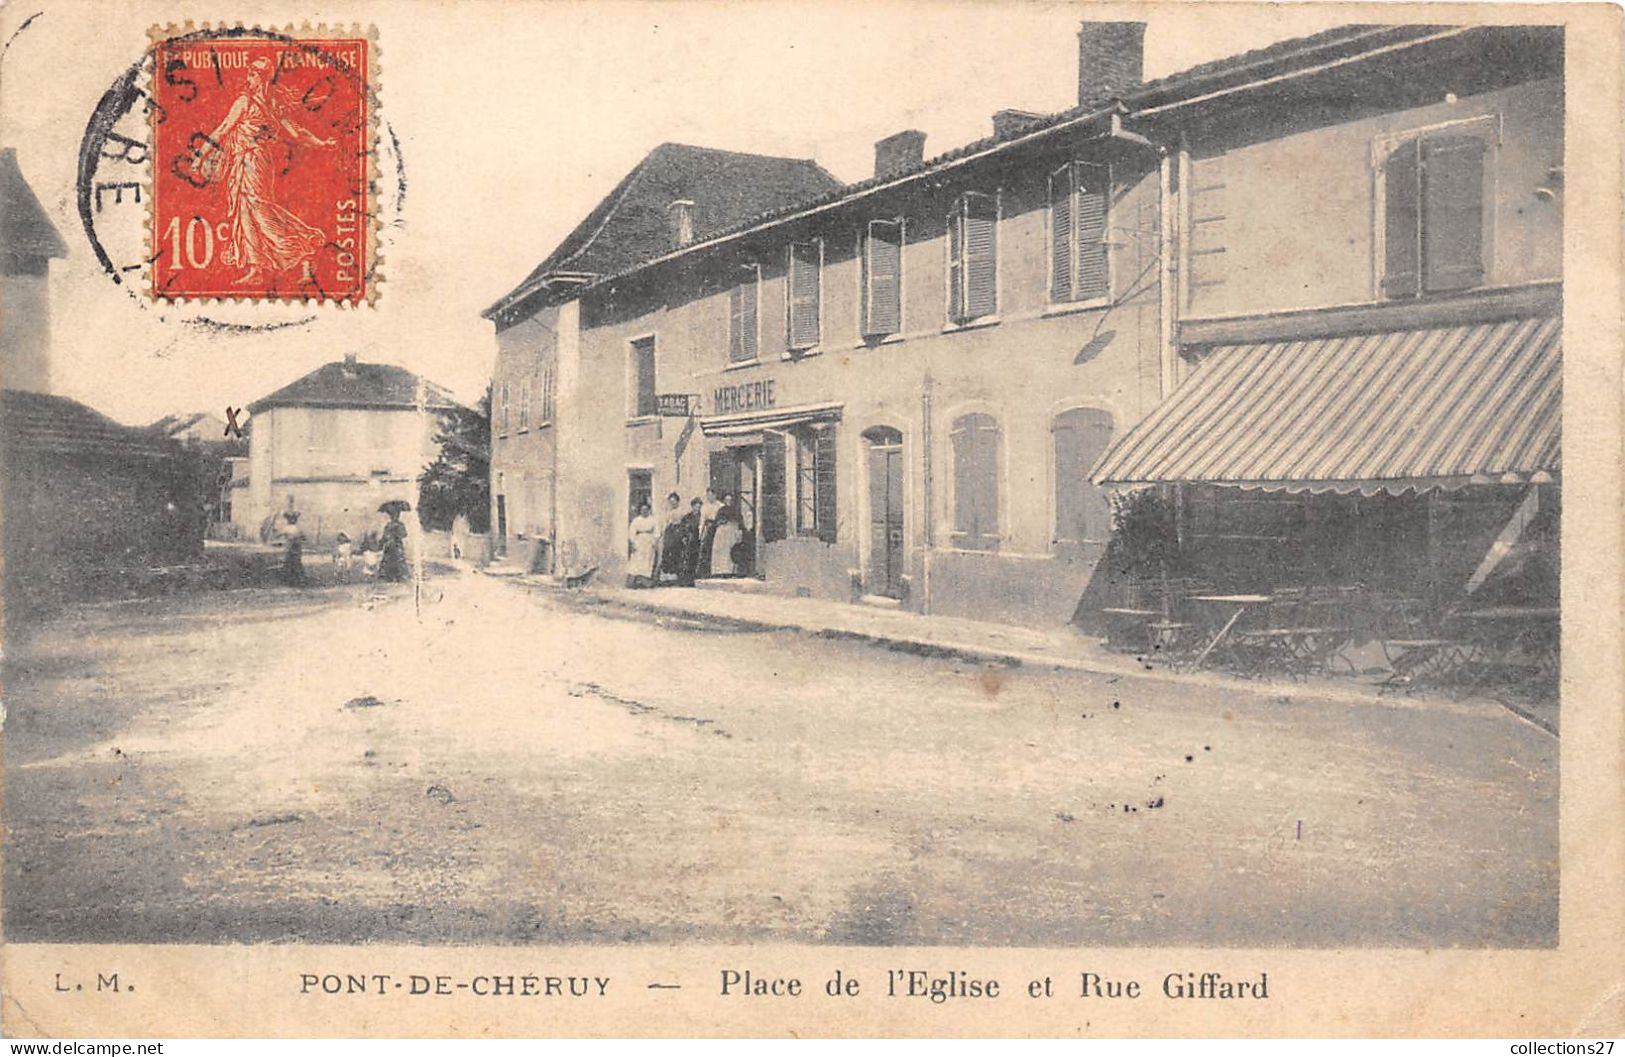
point(337, 444)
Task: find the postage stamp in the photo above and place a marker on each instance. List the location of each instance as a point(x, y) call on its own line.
point(263, 177)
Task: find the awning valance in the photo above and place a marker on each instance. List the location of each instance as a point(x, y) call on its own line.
point(1390, 411)
point(776, 418)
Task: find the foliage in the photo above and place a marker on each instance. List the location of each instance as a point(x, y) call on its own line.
point(1145, 535)
point(458, 481)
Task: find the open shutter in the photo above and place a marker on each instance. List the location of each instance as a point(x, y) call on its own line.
point(956, 263)
point(981, 232)
point(742, 316)
point(1452, 213)
point(1063, 237)
point(824, 483)
point(1402, 222)
point(882, 288)
point(773, 520)
point(1094, 188)
point(804, 282)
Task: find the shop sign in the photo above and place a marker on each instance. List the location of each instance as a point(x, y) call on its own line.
point(747, 396)
point(677, 405)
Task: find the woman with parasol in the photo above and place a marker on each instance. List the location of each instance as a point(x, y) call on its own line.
point(393, 566)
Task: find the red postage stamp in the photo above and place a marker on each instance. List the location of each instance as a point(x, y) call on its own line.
point(262, 167)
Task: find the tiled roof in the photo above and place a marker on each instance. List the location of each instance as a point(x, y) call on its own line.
point(25, 230)
point(630, 226)
point(359, 385)
point(40, 422)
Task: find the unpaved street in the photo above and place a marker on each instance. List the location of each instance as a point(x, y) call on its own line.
point(498, 765)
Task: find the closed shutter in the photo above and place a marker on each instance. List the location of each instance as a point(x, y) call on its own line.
point(1452, 213)
point(824, 484)
point(1094, 189)
point(773, 513)
point(956, 265)
point(976, 483)
point(981, 255)
point(1082, 512)
point(803, 281)
point(883, 272)
point(643, 353)
point(1402, 222)
point(1062, 235)
point(742, 316)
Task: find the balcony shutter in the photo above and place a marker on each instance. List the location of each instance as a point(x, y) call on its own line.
point(773, 513)
point(803, 283)
point(981, 233)
point(742, 317)
point(824, 483)
point(1402, 222)
point(882, 288)
point(1094, 189)
point(956, 264)
point(1063, 236)
point(1452, 213)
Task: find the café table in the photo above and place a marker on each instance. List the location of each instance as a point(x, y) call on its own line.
point(1240, 604)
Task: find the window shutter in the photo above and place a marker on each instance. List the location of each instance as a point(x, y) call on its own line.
point(882, 288)
point(956, 264)
point(1452, 213)
point(824, 488)
point(742, 316)
point(773, 514)
point(1062, 236)
point(981, 216)
point(1082, 513)
point(976, 482)
point(1094, 189)
point(1402, 227)
point(803, 283)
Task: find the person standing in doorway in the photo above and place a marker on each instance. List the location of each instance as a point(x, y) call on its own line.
point(670, 564)
point(725, 538)
point(709, 510)
point(641, 548)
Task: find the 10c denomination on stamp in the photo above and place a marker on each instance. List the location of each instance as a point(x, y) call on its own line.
point(263, 167)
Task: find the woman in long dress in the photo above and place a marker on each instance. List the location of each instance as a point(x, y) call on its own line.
point(709, 509)
point(640, 548)
point(725, 538)
point(393, 566)
point(262, 235)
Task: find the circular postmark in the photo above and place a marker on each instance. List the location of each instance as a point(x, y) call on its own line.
point(231, 178)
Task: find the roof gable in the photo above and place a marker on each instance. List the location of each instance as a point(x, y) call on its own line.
point(25, 229)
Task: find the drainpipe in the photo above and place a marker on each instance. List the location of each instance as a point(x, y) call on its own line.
point(927, 493)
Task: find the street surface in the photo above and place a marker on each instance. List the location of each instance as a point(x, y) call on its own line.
point(497, 764)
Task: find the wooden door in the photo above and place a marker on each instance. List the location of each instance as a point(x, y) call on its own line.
point(885, 512)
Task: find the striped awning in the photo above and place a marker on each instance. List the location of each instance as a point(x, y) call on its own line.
point(1392, 411)
point(748, 423)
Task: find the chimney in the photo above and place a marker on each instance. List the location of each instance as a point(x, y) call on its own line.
point(1010, 122)
point(680, 217)
point(1111, 60)
point(899, 152)
point(349, 364)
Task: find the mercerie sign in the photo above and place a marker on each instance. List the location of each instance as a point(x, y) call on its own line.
point(747, 396)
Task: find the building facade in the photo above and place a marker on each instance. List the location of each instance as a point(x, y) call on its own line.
point(909, 382)
point(337, 444)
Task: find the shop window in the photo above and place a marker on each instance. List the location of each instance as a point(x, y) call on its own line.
point(815, 482)
point(642, 370)
point(976, 482)
point(1433, 214)
point(973, 257)
point(882, 278)
point(1082, 511)
point(743, 325)
point(802, 305)
point(1078, 198)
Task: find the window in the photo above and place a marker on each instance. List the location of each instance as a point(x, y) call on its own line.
point(639, 491)
point(976, 482)
point(972, 257)
point(743, 324)
point(1078, 199)
point(1082, 513)
point(380, 430)
point(548, 382)
point(642, 370)
point(1433, 214)
point(503, 417)
point(883, 278)
point(815, 482)
point(524, 404)
point(324, 430)
point(803, 292)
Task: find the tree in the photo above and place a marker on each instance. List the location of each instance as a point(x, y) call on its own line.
point(458, 481)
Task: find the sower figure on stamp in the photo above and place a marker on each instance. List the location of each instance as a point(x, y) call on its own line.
point(263, 236)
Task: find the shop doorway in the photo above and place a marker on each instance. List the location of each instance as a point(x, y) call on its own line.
point(639, 491)
point(502, 526)
point(737, 472)
point(885, 573)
